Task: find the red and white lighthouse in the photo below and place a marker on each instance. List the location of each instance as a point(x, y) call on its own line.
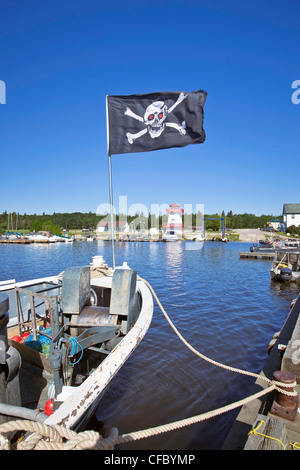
point(174, 223)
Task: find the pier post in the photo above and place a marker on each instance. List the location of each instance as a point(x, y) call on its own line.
point(285, 406)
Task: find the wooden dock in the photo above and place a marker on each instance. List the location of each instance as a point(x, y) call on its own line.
point(16, 242)
point(278, 422)
point(256, 255)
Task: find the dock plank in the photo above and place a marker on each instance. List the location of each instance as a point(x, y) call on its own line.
point(271, 434)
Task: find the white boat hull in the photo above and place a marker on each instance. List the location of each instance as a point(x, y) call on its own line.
point(77, 403)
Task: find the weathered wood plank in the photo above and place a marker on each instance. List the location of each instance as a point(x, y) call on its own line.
point(267, 434)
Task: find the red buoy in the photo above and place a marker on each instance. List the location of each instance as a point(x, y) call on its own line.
point(25, 336)
point(16, 338)
point(49, 407)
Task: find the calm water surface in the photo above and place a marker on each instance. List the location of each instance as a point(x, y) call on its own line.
point(225, 307)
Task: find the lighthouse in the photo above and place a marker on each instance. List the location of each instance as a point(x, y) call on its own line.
point(174, 227)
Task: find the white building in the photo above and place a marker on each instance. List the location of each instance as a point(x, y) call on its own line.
point(276, 224)
point(119, 226)
point(174, 219)
point(291, 214)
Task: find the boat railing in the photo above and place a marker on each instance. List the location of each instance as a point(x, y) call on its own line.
point(51, 306)
point(283, 258)
point(279, 259)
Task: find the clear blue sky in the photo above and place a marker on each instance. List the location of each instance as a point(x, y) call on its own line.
point(59, 60)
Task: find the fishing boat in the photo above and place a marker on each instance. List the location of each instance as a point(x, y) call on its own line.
point(262, 248)
point(63, 338)
point(275, 246)
point(286, 266)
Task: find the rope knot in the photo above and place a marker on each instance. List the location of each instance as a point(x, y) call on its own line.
point(279, 386)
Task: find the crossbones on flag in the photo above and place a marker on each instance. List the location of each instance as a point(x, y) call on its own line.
point(142, 123)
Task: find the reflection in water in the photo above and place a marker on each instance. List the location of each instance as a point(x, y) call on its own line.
point(284, 289)
point(225, 307)
point(173, 258)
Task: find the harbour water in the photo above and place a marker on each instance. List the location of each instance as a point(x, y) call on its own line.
point(225, 307)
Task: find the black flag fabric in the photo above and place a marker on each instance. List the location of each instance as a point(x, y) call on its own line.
point(154, 121)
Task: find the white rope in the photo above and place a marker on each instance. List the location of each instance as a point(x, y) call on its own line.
point(275, 383)
point(45, 437)
point(188, 421)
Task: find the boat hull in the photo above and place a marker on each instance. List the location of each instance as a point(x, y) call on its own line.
point(80, 405)
point(286, 266)
point(75, 404)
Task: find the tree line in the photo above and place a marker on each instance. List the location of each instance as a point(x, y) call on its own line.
point(35, 222)
point(79, 220)
point(236, 221)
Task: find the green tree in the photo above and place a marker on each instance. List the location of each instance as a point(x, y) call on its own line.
point(3, 227)
point(35, 226)
point(49, 226)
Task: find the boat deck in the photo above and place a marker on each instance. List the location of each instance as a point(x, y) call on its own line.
point(34, 386)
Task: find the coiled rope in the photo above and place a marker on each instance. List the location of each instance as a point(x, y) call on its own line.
point(55, 437)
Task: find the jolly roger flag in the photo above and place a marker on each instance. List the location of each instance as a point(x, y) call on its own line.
point(142, 123)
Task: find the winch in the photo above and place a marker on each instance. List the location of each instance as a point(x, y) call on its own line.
point(87, 328)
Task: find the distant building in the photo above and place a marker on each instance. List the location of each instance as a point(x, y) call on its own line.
point(291, 214)
point(119, 226)
point(276, 224)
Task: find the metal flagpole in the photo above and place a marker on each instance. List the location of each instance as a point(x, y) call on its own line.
point(110, 192)
point(111, 213)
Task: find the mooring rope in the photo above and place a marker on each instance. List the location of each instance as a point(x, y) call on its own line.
point(277, 385)
point(45, 437)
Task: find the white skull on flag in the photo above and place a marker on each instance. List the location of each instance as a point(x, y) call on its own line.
point(154, 119)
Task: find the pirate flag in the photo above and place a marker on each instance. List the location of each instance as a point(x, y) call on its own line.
point(142, 123)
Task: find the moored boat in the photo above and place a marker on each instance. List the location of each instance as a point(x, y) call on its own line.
point(38, 238)
point(170, 236)
point(173, 229)
point(263, 249)
point(63, 339)
point(285, 266)
point(273, 246)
